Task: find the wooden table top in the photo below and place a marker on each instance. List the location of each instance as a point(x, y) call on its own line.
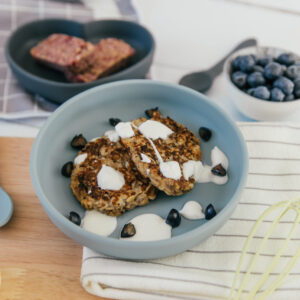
point(37, 261)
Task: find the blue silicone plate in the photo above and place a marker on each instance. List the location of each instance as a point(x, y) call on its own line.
point(88, 113)
point(52, 84)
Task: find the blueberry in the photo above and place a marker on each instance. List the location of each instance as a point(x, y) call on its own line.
point(297, 83)
point(285, 84)
point(209, 212)
point(261, 92)
point(284, 68)
point(286, 59)
point(247, 62)
point(265, 60)
point(128, 230)
point(236, 63)
point(74, 218)
point(273, 70)
point(173, 218)
point(205, 133)
point(239, 79)
point(277, 94)
point(258, 68)
point(114, 121)
point(293, 71)
point(255, 79)
point(296, 93)
point(250, 91)
point(149, 112)
point(218, 170)
point(291, 97)
point(78, 142)
point(67, 169)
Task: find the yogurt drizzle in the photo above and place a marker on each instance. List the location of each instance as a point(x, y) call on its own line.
point(80, 158)
point(150, 227)
point(110, 179)
point(202, 173)
point(153, 129)
point(192, 210)
point(98, 223)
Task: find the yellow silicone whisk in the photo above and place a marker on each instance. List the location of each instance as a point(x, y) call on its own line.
point(236, 292)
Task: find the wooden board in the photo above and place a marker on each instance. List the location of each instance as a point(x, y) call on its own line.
point(37, 261)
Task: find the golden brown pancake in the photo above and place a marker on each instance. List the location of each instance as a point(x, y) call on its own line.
point(182, 145)
point(136, 191)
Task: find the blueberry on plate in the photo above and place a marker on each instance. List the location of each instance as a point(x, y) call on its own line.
point(258, 68)
point(273, 70)
point(247, 62)
point(114, 121)
point(149, 112)
point(286, 59)
point(261, 92)
point(74, 218)
point(210, 212)
point(78, 142)
point(277, 94)
point(219, 170)
point(291, 97)
point(285, 84)
point(205, 133)
point(293, 71)
point(255, 79)
point(265, 60)
point(236, 63)
point(174, 218)
point(67, 169)
point(128, 230)
point(239, 79)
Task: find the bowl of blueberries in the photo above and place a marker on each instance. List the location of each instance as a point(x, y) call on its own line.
point(264, 82)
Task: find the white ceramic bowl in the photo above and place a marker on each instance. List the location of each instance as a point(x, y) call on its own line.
point(254, 108)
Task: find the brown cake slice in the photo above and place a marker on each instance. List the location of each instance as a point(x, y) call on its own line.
point(64, 53)
point(110, 55)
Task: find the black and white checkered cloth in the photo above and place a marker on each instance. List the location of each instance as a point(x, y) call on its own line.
point(14, 101)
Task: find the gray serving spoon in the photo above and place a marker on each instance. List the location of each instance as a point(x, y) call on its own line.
point(202, 81)
point(6, 207)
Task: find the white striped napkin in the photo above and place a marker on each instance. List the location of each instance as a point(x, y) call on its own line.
point(207, 271)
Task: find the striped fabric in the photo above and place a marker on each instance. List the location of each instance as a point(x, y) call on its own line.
point(207, 271)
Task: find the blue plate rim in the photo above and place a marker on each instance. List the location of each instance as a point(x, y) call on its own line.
point(111, 242)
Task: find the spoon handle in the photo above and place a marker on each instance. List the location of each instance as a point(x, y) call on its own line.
point(218, 68)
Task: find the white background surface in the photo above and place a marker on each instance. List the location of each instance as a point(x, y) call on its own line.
point(194, 34)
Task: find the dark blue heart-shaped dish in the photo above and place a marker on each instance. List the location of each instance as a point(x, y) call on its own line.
point(51, 84)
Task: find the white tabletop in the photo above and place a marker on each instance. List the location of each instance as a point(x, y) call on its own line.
point(193, 35)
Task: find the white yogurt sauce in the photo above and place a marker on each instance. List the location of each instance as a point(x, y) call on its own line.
point(95, 139)
point(112, 135)
point(192, 210)
point(218, 157)
point(110, 179)
point(150, 227)
point(154, 130)
point(80, 158)
point(98, 223)
point(124, 130)
point(202, 173)
point(145, 158)
point(170, 169)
